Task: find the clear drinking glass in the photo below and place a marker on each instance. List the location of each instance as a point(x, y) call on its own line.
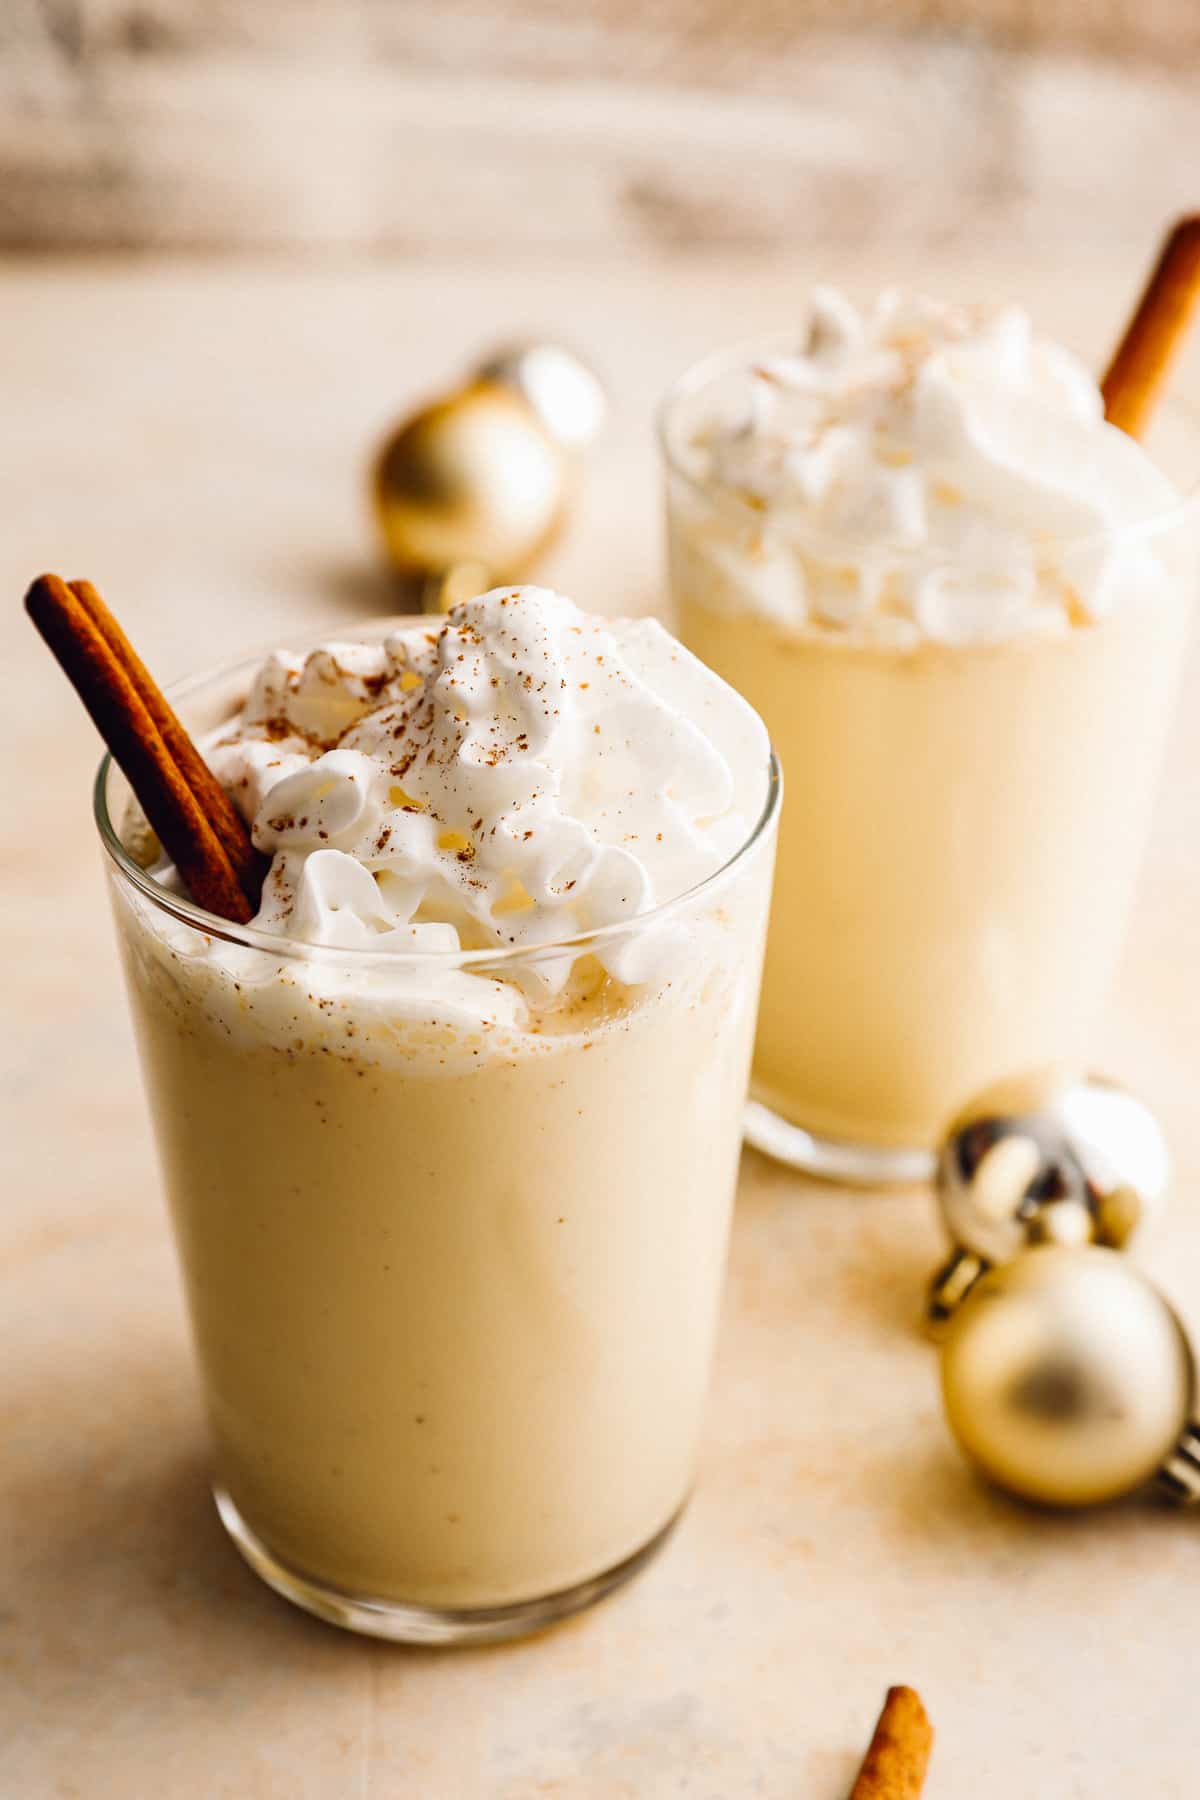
point(453, 1290)
point(965, 821)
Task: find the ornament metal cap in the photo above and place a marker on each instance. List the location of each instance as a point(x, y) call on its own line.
point(1039, 1161)
point(1179, 1476)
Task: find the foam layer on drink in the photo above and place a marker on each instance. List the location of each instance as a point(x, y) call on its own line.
point(918, 471)
point(509, 779)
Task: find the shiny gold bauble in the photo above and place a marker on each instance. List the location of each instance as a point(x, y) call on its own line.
point(1067, 1378)
point(476, 477)
point(1087, 1156)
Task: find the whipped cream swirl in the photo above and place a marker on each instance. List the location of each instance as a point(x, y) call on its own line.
point(924, 471)
point(513, 776)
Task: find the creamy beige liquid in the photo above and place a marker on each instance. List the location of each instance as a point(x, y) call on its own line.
point(454, 1298)
point(963, 831)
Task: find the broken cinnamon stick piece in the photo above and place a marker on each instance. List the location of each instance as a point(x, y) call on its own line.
point(248, 865)
point(137, 745)
point(1138, 372)
point(898, 1756)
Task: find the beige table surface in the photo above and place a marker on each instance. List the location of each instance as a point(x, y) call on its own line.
point(192, 439)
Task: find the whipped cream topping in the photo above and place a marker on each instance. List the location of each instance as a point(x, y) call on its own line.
point(513, 776)
point(921, 470)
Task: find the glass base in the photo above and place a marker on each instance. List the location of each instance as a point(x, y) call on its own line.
point(834, 1159)
point(430, 1625)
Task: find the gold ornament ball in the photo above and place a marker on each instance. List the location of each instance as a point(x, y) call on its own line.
point(473, 478)
point(1088, 1149)
point(1067, 1378)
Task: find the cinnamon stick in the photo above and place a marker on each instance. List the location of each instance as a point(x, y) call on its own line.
point(214, 802)
point(1143, 359)
point(898, 1756)
point(137, 744)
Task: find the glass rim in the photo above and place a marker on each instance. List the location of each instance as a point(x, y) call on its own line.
point(186, 912)
point(728, 358)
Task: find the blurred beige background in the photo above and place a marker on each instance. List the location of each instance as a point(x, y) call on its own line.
point(421, 127)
